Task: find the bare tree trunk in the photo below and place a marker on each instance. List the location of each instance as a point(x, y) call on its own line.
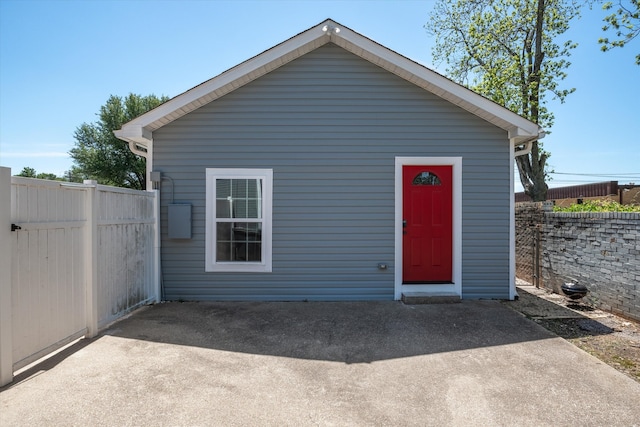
point(531, 167)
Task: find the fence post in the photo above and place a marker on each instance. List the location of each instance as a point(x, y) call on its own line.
point(6, 331)
point(91, 257)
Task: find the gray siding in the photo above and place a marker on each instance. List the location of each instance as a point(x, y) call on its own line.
point(330, 125)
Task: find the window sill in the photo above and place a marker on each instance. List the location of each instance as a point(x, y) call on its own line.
point(238, 268)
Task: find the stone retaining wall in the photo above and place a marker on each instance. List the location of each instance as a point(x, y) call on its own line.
point(598, 250)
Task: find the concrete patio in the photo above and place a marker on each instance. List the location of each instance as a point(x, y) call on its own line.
point(360, 363)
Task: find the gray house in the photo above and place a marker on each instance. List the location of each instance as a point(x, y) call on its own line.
point(332, 168)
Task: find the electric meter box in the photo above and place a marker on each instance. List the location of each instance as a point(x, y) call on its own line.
point(179, 221)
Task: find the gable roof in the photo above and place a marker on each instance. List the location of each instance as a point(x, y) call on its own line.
point(139, 132)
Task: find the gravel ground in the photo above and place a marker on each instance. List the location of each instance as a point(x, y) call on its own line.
point(612, 339)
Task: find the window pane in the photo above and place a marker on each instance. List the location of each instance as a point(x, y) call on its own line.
point(223, 188)
point(239, 188)
point(239, 241)
point(223, 198)
point(239, 198)
point(223, 208)
point(426, 178)
point(223, 244)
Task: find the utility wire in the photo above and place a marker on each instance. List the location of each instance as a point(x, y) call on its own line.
point(633, 175)
point(623, 176)
point(584, 181)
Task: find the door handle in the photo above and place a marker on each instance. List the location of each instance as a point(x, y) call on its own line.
point(404, 223)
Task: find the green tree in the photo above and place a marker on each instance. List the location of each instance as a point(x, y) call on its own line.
point(27, 172)
point(507, 51)
point(49, 176)
point(99, 155)
point(624, 22)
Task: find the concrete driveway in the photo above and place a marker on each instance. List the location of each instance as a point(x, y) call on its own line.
point(292, 364)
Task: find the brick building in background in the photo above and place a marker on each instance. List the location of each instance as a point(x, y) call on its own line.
point(626, 194)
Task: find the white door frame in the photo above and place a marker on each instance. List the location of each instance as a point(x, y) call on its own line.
point(456, 287)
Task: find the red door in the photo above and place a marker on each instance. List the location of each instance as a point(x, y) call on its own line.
point(427, 224)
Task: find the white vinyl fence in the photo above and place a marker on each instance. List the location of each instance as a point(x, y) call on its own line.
point(74, 257)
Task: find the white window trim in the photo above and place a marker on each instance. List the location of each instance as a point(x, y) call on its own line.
point(456, 286)
point(210, 264)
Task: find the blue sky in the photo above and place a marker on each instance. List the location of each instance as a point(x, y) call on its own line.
point(60, 60)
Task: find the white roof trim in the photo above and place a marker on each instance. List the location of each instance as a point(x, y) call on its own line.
point(140, 130)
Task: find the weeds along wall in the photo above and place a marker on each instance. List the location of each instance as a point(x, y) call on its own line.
point(600, 250)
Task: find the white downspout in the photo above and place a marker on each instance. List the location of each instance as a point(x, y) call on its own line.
point(157, 270)
point(133, 147)
point(157, 238)
point(135, 150)
point(523, 151)
point(512, 227)
point(528, 144)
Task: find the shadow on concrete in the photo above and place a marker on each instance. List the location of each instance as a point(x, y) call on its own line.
point(349, 332)
point(47, 363)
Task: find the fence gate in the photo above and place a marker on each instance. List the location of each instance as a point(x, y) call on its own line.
point(74, 257)
point(48, 276)
point(528, 243)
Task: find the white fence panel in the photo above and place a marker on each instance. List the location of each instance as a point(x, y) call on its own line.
point(125, 254)
point(48, 271)
point(82, 256)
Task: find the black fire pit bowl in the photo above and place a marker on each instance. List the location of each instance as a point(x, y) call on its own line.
point(574, 291)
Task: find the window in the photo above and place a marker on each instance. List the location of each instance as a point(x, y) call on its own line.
point(426, 178)
point(238, 222)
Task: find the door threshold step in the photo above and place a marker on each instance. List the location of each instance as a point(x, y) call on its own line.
point(430, 298)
